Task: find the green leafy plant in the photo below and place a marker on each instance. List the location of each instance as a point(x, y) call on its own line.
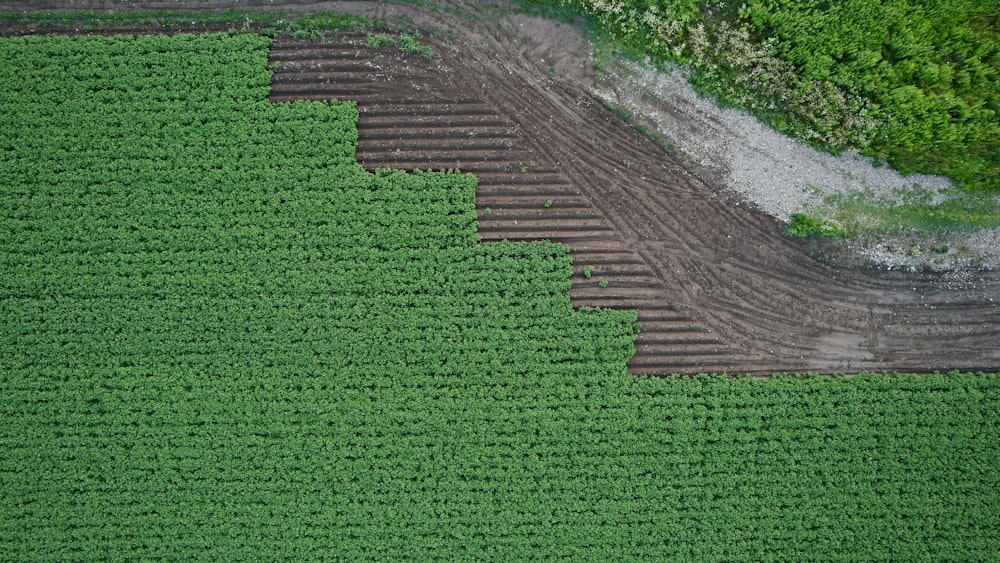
point(408, 43)
point(588, 271)
point(411, 46)
point(803, 226)
point(380, 40)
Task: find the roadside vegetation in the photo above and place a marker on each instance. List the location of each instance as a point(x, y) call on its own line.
point(914, 84)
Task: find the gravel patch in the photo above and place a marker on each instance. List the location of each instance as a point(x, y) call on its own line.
point(782, 176)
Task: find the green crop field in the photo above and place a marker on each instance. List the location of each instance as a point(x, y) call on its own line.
point(221, 338)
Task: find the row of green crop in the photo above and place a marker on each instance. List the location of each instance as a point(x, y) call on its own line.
point(300, 25)
point(914, 82)
point(118, 220)
point(181, 462)
point(209, 356)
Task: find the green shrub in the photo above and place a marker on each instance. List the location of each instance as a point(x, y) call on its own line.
point(803, 226)
point(912, 82)
point(380, 40)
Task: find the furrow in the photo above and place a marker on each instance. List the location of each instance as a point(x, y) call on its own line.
point(417, 131)
point(314, 91)
point(538, 201)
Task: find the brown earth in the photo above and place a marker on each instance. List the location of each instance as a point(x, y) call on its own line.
point(717, 286)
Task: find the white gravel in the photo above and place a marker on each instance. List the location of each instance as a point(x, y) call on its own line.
point(782, 176)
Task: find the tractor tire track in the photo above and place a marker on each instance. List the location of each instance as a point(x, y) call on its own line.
point(716, 285)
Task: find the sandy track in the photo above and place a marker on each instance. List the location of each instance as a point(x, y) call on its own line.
point(717, 287)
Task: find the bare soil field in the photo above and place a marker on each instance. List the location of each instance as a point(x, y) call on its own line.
point(717, 286)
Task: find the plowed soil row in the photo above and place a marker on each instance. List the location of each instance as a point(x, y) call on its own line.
point(717, 286)
point(408, 119)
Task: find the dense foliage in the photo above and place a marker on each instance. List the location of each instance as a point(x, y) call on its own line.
point(915, 82)
point(221, 338)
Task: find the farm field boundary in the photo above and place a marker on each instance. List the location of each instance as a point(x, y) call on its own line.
point(717, 286)
point(223, 338)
